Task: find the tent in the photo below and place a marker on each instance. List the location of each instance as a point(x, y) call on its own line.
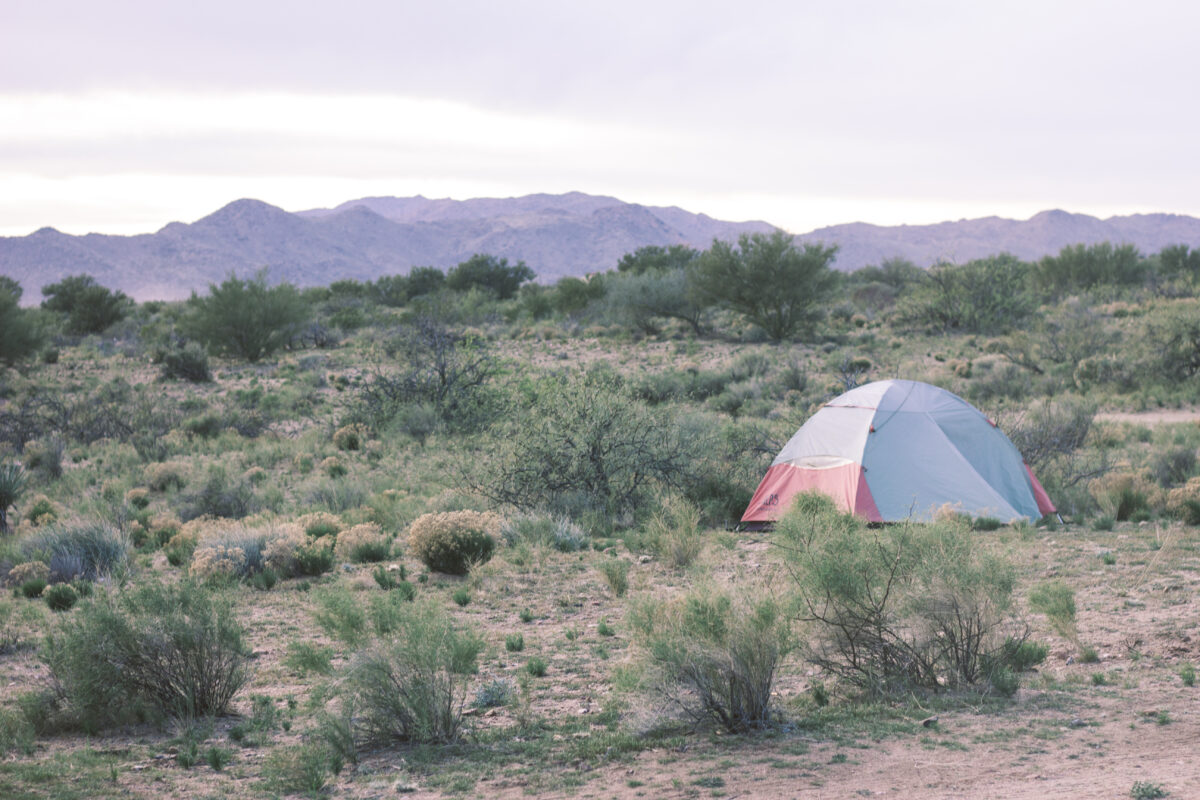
point(895, 450)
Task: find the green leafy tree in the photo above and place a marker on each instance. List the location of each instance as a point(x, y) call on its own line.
point(654, 257)
point(1179, 260)
point(490, 273)
point(1080, 266)
point(88, 306)
point(642, 299)
point(767, 279)
point(987, 295)
point(19, 333)
point(425, 280)
point(246, 318)
point(389, 290)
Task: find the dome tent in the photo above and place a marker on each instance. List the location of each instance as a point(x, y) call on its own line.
point(895, 450)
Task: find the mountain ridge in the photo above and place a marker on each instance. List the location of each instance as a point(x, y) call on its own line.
point(555, 234)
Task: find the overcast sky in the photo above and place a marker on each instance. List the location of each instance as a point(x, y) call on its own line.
point(123, 115)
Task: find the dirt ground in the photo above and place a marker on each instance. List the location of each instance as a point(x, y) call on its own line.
point(1074, 729)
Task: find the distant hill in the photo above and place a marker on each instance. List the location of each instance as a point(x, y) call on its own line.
point(556, 235)
point(860, 244)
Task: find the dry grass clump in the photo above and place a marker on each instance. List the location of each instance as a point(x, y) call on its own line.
point(363, 542)
point(350, 437)
point(279, 552)
point(1121, 494)
point(165, 475)
point(320, 523)
point(454, 541)
point(217, 560)
point(28, 571)
point(137, 498)
point(233, 550)
point(1184, 502)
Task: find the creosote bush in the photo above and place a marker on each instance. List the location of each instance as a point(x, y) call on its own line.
point(149, 652)
point(453, 541)
point(717, 651)
point(907, 606)
point(409, 685)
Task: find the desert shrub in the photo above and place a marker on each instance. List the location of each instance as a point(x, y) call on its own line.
point(137, 498)
point(1056, 600)
point(1183, 502)
point(301, 769)
point(584, 444)
point(333, 467)
point(1172, 466)
point(12, 486)
point(907, 606)
point(306, 657)
point(45, 456)
point(279, 549)
point(187, 362)
point(218, 561)
point(673, 532)
point(314, 558)
point(544, 529)
point(320, 523)
point(349, 437)
point(219, 497)
point(364, 542)
point(161, 528)
point(162, 476)
point(153, 651)
point(87, 550)
point(495, 693)
point(60, 596)
point(436, 368)
point(616, 574)
point(204, 426)
point(43, 511)
point(410, 686)
point(28, 571)
point(246, 318)
point(32, 588)
point(453, 541)
point(1121, 494)
point(717, 651)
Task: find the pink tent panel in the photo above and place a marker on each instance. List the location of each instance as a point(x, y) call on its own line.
point(845, 483)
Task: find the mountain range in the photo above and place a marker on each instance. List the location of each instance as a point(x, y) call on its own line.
point(556, 235)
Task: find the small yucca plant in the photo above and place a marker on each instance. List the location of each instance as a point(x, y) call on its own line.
point(12, 486)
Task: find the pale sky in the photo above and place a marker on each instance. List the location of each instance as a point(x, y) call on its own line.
point(124, 115)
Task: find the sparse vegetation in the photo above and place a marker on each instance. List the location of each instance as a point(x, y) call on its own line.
point(580, 453)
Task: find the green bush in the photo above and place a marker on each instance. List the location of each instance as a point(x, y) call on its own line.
point(536, 667)
point(33, 588)
point(674, 533)
point(906, 606)
point(514, 642)
point(306, 657)
point(152, 651)
point(717, 651)
point(246, 319)
point(454, 541)
point(188, 362)
point(220, 496)
point(410, 686)
point(616, 574)
point(60, 596)
point(584, 446)
point(1056, 600)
